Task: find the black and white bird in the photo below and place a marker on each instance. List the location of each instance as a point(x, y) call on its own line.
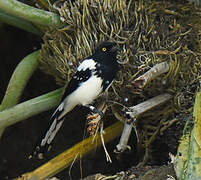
point(94, 76)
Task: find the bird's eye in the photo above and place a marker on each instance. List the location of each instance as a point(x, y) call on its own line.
point(104, 49)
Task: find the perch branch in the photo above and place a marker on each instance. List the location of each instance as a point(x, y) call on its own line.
point(94, 119)
point(95, 122)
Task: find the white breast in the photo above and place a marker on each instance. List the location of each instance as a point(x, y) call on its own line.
point(87, 92)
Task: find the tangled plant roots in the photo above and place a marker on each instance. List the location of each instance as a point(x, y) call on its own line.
point(149, 32)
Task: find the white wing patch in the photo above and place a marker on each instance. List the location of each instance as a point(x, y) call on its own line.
point(88, 63)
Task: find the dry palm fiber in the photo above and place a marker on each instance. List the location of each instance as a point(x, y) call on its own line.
point(149, 32)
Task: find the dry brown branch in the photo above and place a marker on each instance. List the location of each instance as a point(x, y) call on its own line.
point(135, 111)
point(155, 71)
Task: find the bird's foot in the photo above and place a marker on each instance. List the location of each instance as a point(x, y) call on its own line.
point(95, 110)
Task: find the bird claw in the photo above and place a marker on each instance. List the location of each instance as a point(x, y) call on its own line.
point(95, 110)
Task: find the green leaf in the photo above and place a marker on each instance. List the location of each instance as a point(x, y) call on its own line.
point(188, 161)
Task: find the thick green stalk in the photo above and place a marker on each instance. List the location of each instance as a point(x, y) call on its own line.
point(188, 159)
point(18, 22)
point(29, 108)
point(19, 80)
point(35, 15)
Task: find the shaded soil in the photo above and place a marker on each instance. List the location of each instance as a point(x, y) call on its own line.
point(18, 140)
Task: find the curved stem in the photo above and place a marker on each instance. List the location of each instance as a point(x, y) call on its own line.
point(29, 108)
point(19, 80)
point(65, 159)
point(18, 22)
point(29, 13)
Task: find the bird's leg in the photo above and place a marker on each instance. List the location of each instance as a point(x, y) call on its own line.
point(100, 110)
point(95, 119)
point(95, 110)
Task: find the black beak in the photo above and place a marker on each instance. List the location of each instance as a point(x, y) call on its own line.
point(114, 49)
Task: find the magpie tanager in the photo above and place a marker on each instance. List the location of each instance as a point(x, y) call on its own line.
point(93, 76)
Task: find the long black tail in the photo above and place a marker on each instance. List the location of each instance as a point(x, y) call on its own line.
point(43, 144)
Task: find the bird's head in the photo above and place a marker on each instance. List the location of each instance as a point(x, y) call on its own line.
point(107, 51)
point(110, 48)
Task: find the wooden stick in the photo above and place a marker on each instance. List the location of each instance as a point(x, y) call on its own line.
point(155, 71)
point(136, 111)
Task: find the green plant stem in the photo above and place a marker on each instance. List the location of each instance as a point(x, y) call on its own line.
point(18, 82)
point(18, 22)
point(29, 13)
point(19, 79)
point(188, 159)
point(29, 108)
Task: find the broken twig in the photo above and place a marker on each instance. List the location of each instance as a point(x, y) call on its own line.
point(155, 71)
point(135, 111)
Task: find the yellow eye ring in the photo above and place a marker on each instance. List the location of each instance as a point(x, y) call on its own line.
point(104, 49)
